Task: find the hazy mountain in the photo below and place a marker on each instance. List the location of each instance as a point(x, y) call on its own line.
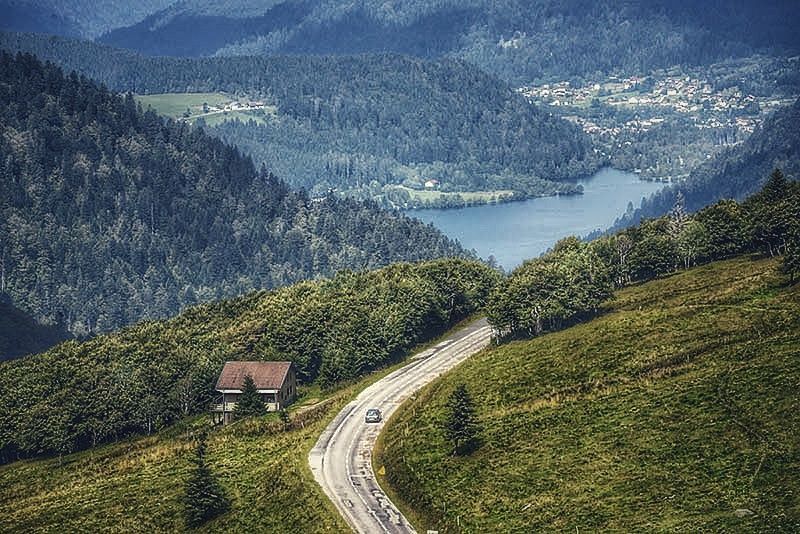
point(21, 334)
point(519, 40)
point(86, 18)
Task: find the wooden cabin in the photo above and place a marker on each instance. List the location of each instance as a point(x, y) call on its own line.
point(276, 383)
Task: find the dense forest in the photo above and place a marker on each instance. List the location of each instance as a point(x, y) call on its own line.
point(111, 214)
point(148, 375)
point(517, 40)
point(351, 123)
point(572, 281)
point(736, 173)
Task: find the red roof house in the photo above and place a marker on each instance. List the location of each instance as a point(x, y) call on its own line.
point(276, 382)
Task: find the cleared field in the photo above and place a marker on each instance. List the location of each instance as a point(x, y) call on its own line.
point(137, 485)
point(468, 196)
point(676, 410)
point(209, 106)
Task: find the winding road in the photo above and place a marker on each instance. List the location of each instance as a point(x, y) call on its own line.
point(341, 460)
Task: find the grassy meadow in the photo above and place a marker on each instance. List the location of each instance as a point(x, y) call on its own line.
point(431, 195)
point(175, 106)
point(676, 410)
point(137, 485)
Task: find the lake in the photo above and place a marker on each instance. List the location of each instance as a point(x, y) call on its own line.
point(516, 231)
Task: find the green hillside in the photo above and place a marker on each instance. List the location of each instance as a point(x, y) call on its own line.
point(137, 485)
point(147, 376)
point(675, 410)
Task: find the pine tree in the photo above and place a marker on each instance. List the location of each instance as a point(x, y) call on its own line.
point(250, 402)
point(204, 498)
point(461, 426)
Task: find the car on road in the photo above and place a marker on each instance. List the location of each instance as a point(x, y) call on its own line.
point(373, 416)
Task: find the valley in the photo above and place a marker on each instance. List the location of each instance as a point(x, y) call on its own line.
point(447, 266)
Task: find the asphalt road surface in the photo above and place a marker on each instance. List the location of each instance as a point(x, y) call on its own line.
point(341, 460)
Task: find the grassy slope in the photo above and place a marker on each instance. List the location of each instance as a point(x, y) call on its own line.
point(469, 196)
point(136, 485)
point(670, 412)
point(174, 105)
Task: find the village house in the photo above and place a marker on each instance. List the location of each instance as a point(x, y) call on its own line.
point(276, 382)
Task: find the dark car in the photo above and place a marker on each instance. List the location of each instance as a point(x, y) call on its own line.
point(373, 416)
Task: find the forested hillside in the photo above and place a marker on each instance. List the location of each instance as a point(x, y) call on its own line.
point(360, 123)
point(520, 41)
point(148, 375)
point(111, 215)
point(572, 281)
point(736, 173)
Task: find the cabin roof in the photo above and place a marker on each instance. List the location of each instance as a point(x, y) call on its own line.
point(265, 375)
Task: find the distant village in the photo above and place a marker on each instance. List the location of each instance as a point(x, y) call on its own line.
point(231, 106)
point(617, 111)
point(677, 93)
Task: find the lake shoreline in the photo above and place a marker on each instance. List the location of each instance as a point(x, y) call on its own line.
point(511, 232)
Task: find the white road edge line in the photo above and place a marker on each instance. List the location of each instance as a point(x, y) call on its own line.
point(388, 392)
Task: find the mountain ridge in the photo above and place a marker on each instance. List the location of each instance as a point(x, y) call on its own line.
point(512, 39)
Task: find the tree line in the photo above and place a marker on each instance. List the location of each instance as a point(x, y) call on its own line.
point(572, 281)
point(146, 376)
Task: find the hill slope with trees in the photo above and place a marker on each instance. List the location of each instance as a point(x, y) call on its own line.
point(735, 174)
point(360, 122)
point(571, 282)
point(519, 41)
point(652, 410)
point(676, 409)
point(144, 377)
point(111, 215)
